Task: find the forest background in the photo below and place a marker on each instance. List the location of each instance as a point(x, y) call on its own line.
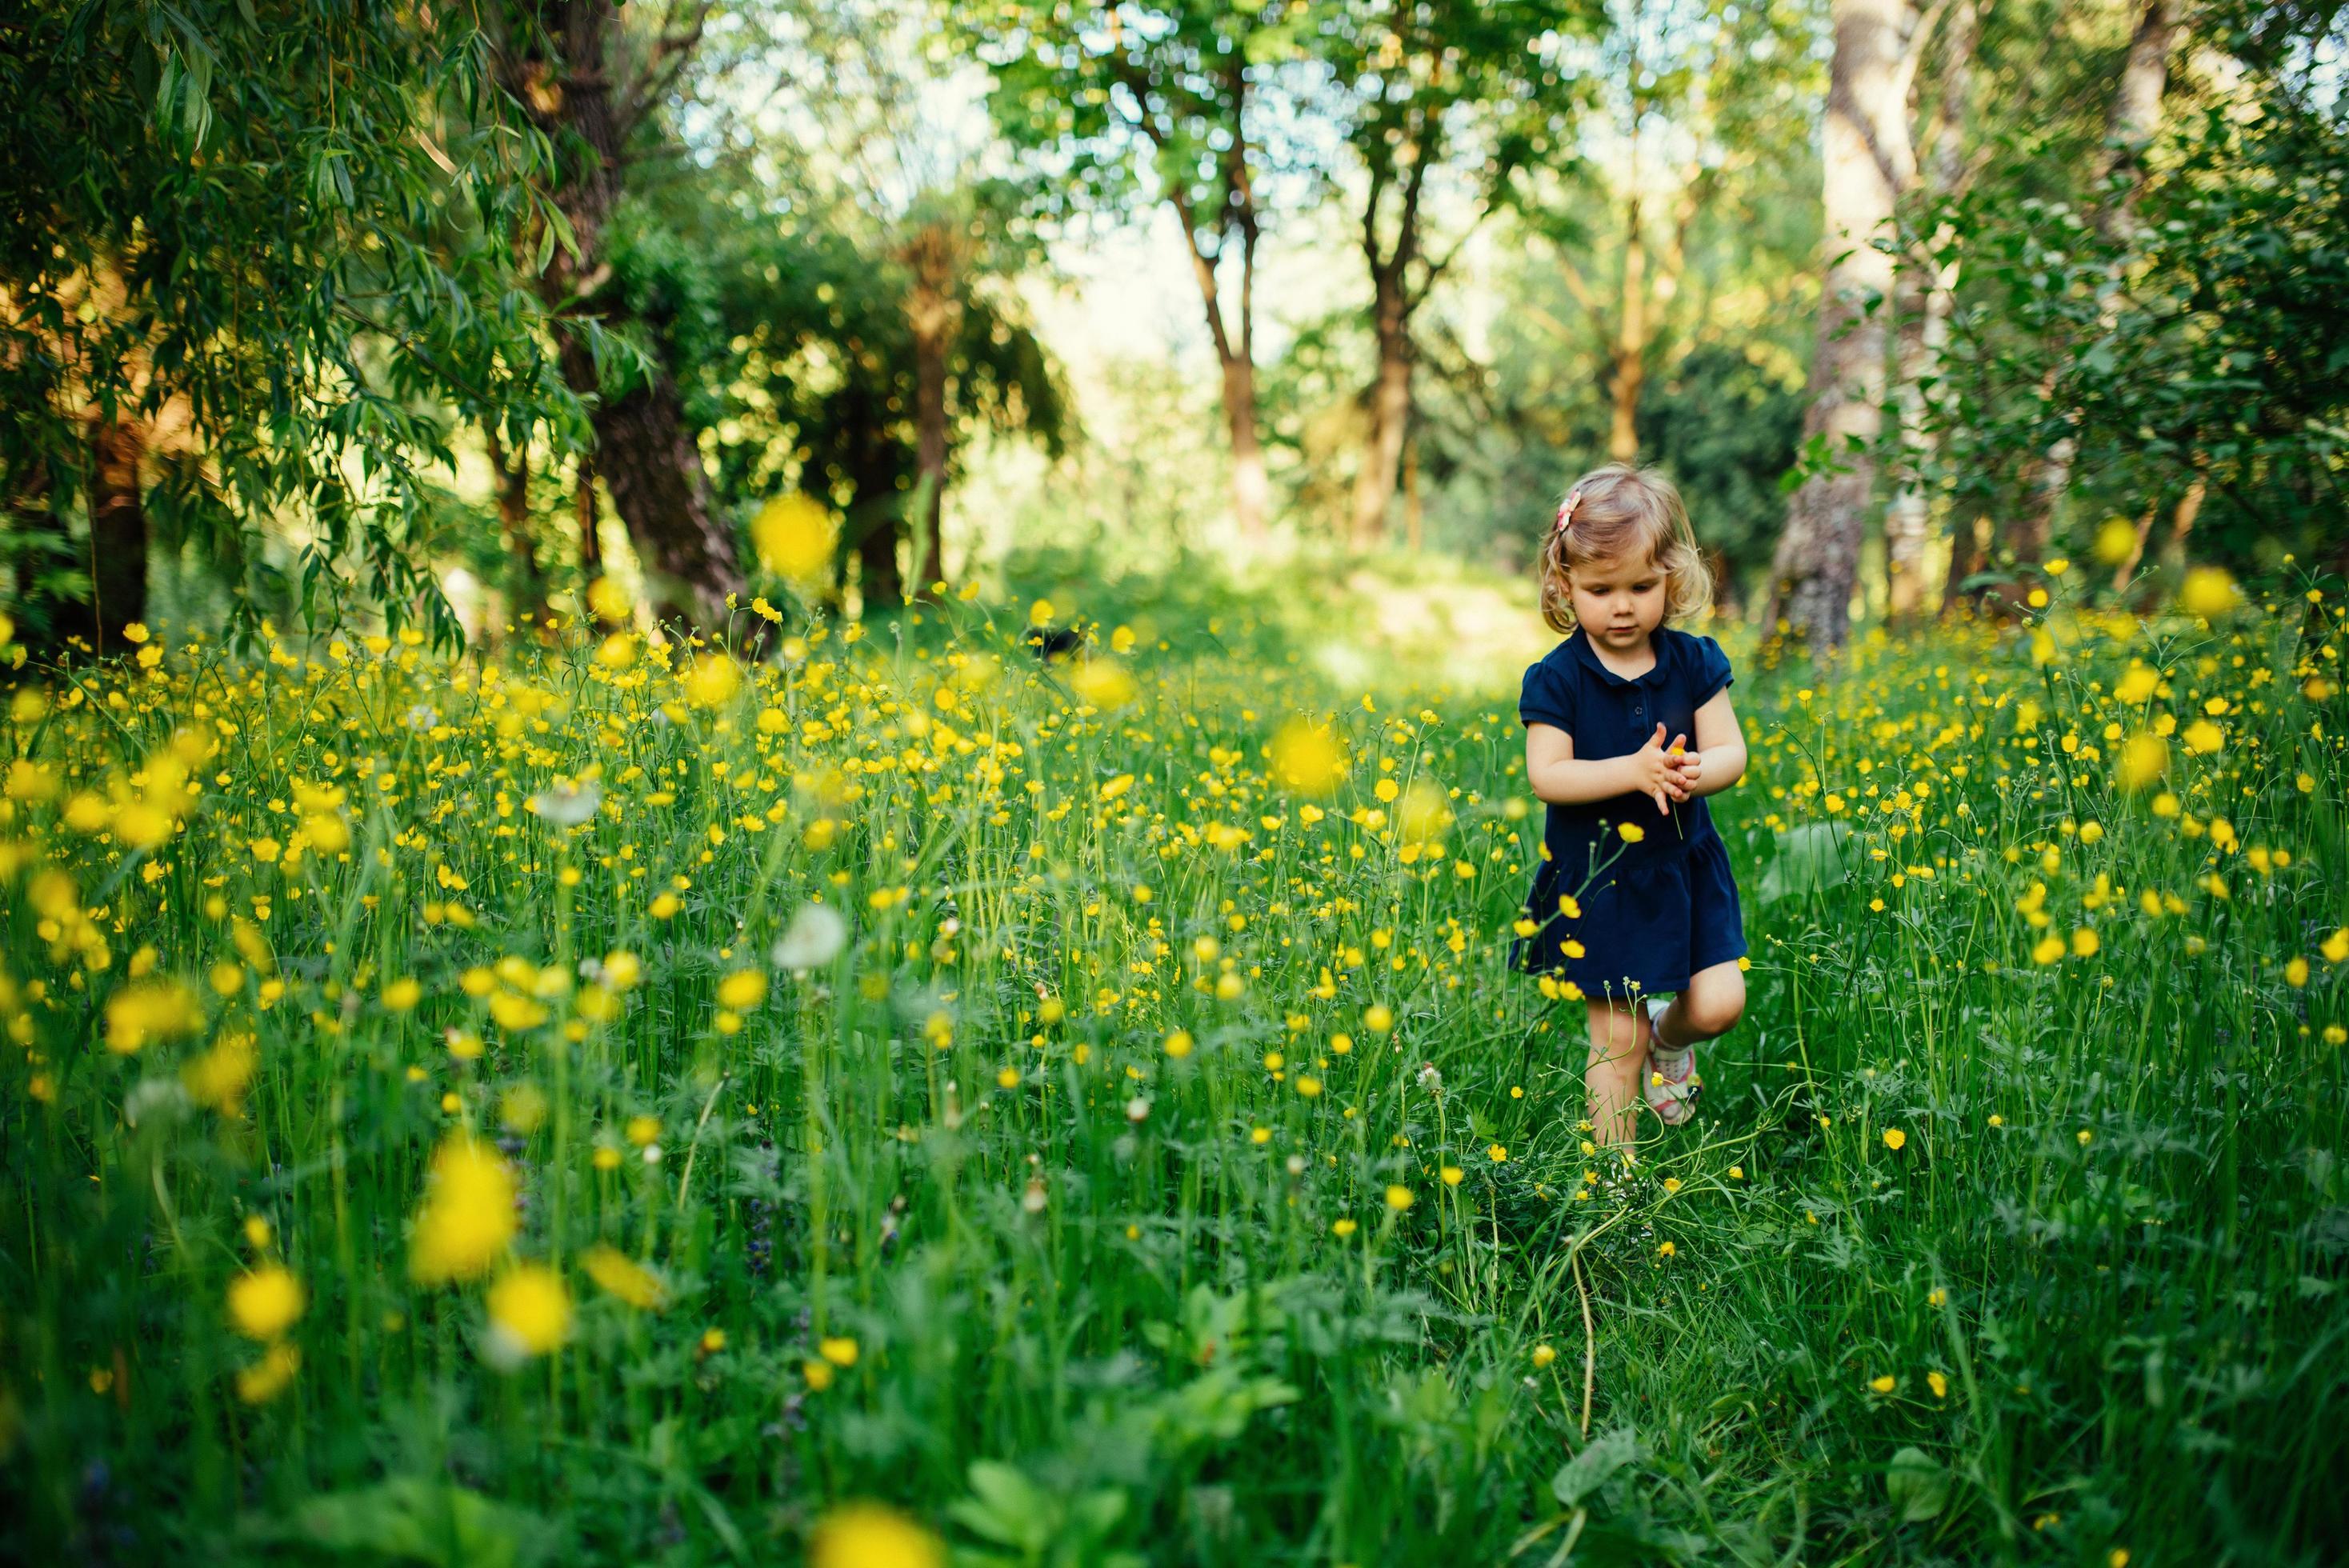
point(760, 793)
point(400, 312)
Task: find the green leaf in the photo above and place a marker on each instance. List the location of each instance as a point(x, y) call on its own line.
point(1919, 1485)
point(412, 1519)
point(1587, 1471)
point(1810, 859)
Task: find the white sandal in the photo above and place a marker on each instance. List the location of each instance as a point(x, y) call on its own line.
point(1673, 1099)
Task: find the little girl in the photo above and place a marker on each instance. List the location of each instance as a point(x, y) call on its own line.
point(1635, 895)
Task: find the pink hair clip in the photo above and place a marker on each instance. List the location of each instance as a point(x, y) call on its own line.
point(1566, 511)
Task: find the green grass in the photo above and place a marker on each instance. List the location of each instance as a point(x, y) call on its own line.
point(1102, 1301)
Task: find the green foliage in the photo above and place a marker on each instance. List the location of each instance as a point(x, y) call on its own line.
point(1150, 102)
point(1084, 1299)
point(2189, 337)
point(297, 233)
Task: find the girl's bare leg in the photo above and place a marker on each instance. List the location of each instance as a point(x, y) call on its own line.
point(1710, 1008)
point(1619, 1054)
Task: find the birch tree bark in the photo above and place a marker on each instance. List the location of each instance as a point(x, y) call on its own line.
point(1929, 290)
point(1866, 156)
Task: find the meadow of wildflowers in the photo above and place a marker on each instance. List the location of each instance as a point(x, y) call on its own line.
point(889, 1097)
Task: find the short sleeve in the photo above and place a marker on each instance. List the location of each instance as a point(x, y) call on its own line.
point(1712, 671)
point(1547, 697)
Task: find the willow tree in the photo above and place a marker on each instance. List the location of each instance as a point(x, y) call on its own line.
point(265, 261)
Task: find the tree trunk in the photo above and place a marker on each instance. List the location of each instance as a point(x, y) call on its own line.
point(930, 458)
point(1414, 516)
point(1631, 350)
point(1235, 352)
point(1929, 293)
point(2130, 126)
point(879, 578)
point(528, 587)
point(1251, 486)
point(1374, 486)
point(934, 314)
point(1865, 146)
point(117, 533)
point(653, 471)
point(587, 102)
point(584, 514)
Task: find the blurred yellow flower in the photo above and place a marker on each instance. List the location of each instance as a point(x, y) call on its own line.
point(2115, 541)
point(263, 1303)
point(1307, 758)
point(1398, 1197)
point(743, 989)
point(1894, 1138)
point(269, 1376)
point(218, 1077)
point(873, 1535)
point(622, 1275)
point(2207, 592)
point(795, 535)
point(712, 681)
point(147, 1011)
point(467, 1221)
point(2202, 736)
point(530, 1313)
point(1105, 682)
point(608, 600)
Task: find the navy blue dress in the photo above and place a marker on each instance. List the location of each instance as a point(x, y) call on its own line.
point(1652, 912)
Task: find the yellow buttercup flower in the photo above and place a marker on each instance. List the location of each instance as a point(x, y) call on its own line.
point(2207, 592)
point(467, 1220)
point(147, 1011)
point(263, 1303)
point(1307, 758)
point(712, 681)
point(795, 536)
point(623, 1277)
point(530, 1313)
point(872, 1535)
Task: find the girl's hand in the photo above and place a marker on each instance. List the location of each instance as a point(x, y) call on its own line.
point(1691, 763)
point(1658, 773)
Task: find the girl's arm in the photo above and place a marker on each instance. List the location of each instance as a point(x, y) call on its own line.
point(1557, 775)
point(1719, 760)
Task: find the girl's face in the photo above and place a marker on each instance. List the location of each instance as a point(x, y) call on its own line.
point(1619, 600)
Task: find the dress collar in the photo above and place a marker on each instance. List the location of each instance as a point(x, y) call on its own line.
point(1590, 657)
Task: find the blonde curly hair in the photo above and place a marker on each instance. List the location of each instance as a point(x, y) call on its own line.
point(1621, 509)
